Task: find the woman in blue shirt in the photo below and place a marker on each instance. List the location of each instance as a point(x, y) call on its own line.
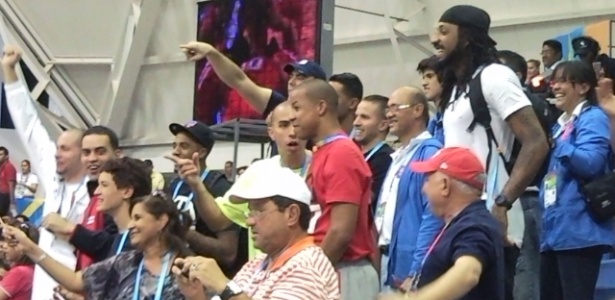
point(573, 242)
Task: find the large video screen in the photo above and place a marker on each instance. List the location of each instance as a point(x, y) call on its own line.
point(261, 36)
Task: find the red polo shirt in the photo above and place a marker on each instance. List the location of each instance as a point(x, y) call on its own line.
point(8, 173)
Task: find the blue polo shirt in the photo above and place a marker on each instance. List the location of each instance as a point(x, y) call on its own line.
point(473, 232)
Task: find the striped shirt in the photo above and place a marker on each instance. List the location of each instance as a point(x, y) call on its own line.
point(302, 272)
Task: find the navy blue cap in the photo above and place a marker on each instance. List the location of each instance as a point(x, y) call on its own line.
point(307, 68)
point(585, 45)
point(198, 131)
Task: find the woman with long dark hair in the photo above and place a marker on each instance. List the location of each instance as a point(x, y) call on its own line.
point(573, 240)
point(16, 284)
point(157, 231)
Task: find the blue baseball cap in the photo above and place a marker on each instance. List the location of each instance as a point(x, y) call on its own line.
point(307, 68)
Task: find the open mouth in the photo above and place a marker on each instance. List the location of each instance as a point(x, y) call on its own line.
point(293, 144)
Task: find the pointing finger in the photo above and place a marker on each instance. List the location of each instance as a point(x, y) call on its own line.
point(172, 158)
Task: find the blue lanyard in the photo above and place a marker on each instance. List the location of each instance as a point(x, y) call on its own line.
point(120, 247)
point(181, 182)
point(331, 138)
point(374, 150)
point(161, 278)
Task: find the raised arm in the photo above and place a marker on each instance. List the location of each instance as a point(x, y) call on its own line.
point(230, 74)
point(39, 146)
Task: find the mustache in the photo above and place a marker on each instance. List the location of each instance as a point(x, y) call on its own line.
point(437, 45)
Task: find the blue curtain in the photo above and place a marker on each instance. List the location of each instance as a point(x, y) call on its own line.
point(5, 118)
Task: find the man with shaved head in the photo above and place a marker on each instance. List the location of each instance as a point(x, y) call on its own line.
point(340, 180)
point(220, 213)
point(63, 176)
point(405, 224)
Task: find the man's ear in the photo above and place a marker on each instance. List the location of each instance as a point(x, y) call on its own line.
point(203, 152)
point(354, 102)
point(119, 153)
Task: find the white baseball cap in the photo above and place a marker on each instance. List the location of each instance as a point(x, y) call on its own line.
point(263, 180)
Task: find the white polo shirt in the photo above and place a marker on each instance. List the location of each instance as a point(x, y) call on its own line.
point(504, 96)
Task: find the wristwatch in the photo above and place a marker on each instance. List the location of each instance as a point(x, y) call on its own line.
point(232, 289)
point(502, 201)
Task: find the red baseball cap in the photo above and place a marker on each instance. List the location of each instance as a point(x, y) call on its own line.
point(456, 162)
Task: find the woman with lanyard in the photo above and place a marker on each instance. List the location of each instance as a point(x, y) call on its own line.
point(157, 232)
point(573, 239)
point(120, 181)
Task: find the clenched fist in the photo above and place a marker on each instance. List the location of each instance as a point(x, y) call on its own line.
point(11, 56)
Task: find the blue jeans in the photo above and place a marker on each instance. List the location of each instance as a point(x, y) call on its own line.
point(527, 277)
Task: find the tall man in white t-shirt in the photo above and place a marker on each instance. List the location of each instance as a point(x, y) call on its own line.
point(465, 51)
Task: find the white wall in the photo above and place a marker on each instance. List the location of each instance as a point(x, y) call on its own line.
point(17, 153)
point(363, 46)
point(381, 73)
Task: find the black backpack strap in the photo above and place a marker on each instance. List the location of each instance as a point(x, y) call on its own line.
point(482, 116)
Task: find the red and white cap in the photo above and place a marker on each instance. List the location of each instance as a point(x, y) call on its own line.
point(456, 162)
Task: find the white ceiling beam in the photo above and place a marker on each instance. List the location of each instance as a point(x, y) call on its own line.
point(126, 74)
point(507, 22)
point(81, 61)
point(11, 36)
point(164, 59)
point(73, 103)
point(372, 13)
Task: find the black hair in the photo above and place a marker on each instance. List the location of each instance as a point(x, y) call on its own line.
point(514, 61)
point(3, 149)
point(148, 162)
point(430, 64)
point(129, 172)
point(553, 44)
point(381, 101)
point(479, 51)
point(23, 217)
point(578, 72)
point(352, 84)
point(106, 131)
point(174, 232)
point(305, 214)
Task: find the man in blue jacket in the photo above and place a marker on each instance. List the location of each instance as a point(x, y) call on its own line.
point(405, 223)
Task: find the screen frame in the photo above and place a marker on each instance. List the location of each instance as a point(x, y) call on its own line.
point(323, 53)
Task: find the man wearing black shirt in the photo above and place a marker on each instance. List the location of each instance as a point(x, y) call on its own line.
point(465, 260)
point(371, 128)
point(229, 247)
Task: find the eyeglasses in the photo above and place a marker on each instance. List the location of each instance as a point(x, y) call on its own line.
point(257, 214)
point(395, 108)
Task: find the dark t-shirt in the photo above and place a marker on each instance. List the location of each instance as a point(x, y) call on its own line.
point(217, 184)
point(379, 164)
point(474, 232)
